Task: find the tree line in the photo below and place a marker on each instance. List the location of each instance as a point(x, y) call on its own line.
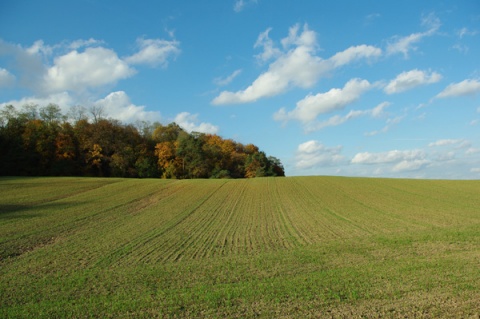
point(44, 142)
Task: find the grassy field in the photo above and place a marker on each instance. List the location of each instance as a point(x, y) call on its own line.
point(296, 247)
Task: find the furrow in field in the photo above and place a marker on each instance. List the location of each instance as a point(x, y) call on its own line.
point(355, 217)
point(169, 240)
point(117, 225)
point(215, 237)
point(448, 203)
point(45, 223)
point(145, 226)
point(306, 213)
point(223, 239)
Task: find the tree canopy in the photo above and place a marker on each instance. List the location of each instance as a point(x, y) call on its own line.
point(44, 142)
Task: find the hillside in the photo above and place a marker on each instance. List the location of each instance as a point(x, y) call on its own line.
point(267, 247)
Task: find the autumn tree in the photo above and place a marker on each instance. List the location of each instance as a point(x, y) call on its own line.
point(43, 141)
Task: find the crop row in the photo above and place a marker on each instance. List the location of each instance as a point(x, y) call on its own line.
point(105, 222)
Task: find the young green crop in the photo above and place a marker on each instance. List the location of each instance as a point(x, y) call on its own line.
point(266, 247)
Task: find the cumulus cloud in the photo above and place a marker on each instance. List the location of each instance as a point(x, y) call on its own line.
point(406, 44)
point(295, 65)
point(79, 66)
point(71, 73)
point(464, 88)
point(354, 53)
point(409, 160)
point(6, 78)
point(311, 106)
point(313, 153)
point(190, 123)
point(62, 99)
point(227, 80)
point(387, 157)
point(27, 63)
point(78, 71)
point(118, 106)
point(411, 79)
point(154, 52)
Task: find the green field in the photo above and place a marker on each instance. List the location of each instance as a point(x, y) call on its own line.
point(295, 247)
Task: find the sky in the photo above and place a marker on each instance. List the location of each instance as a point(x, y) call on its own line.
point(347, 88)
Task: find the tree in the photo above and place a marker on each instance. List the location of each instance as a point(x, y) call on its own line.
point(190, 151)
point(77, 113)
point(167, 133)
point(275, 167)
point(167, 162)
point(66, 152)
point(256, 165)
point(97, 112)
point(51, 114)
point(40, 141)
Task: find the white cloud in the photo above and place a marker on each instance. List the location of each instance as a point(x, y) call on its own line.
point(27, 63)
point(39, 47)
point(464, 31)
point(80, 65)
point(154, 52)
point(464, 88)
point(378, 111)
point(227, 80)
point(411, 79)
point(475, 170)
point(77, 44)
point(118, 106)
point(189, 122)
point(406, 44)
point(460, 143)
point(115, 105)
point(404, 161)
point(313, 153)
point(79, 71)
point(335, 120)
point(311, 106)
point(70, 73)
point(388, 157)
point(297, 65)
point(472, 151)
point(269, 49)
point(354, 53)
point(239, 5)
point(6, 78)
point(410, 165)
point(62, 99)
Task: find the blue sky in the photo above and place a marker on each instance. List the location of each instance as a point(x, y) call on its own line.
point(355, 88)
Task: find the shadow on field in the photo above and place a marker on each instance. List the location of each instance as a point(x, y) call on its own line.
point(26, 211)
